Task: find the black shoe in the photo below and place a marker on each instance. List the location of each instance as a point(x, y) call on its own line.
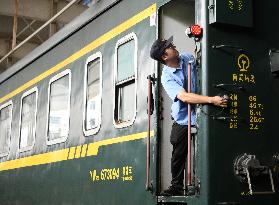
point(173, 191)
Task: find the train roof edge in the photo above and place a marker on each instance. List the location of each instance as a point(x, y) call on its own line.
point(89, 14)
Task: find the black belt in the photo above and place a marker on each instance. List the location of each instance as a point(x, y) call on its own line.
point(185, 125)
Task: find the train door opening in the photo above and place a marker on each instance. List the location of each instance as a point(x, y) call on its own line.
point(174, 18)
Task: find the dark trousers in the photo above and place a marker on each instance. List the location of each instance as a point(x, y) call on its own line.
point(179, 141)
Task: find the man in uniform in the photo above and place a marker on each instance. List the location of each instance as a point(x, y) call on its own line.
point(174, 81)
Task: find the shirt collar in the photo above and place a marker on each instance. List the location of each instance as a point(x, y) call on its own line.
point(180, 65)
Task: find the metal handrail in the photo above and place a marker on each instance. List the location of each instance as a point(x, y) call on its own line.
point(38, 30)
point(148, 185)
point(189, 167)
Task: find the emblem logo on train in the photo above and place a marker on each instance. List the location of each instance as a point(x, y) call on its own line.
point(243, 62)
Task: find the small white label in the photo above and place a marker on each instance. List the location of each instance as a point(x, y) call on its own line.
point(153, 19)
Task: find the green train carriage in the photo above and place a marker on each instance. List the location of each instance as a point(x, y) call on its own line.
point(73, 120)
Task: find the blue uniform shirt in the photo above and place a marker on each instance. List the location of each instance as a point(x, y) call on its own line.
point(172, 80)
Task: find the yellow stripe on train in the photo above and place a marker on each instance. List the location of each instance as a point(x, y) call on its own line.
point(69, 153)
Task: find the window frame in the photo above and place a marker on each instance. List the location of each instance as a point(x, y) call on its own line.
point(120, 42)
point(53, 79)
point(88, 60)
point(4, 154)
point(27, 93)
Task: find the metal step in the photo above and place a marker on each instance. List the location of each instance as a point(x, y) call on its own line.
point(173, 199)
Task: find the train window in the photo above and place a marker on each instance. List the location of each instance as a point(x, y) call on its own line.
point(5, 128)
point(93, 90)
point(125, 81)
point(28, 111)
point(59, 108)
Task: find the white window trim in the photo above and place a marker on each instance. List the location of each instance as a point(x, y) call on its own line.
point(90, 59)
point(4, 154)
point(53, 79)
point(125, 39)
point(27, 93)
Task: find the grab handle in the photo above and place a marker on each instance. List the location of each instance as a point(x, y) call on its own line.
point(189, 167)
point(150, 104)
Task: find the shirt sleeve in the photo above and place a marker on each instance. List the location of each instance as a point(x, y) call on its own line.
point(189, 57)
point(171, 86)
